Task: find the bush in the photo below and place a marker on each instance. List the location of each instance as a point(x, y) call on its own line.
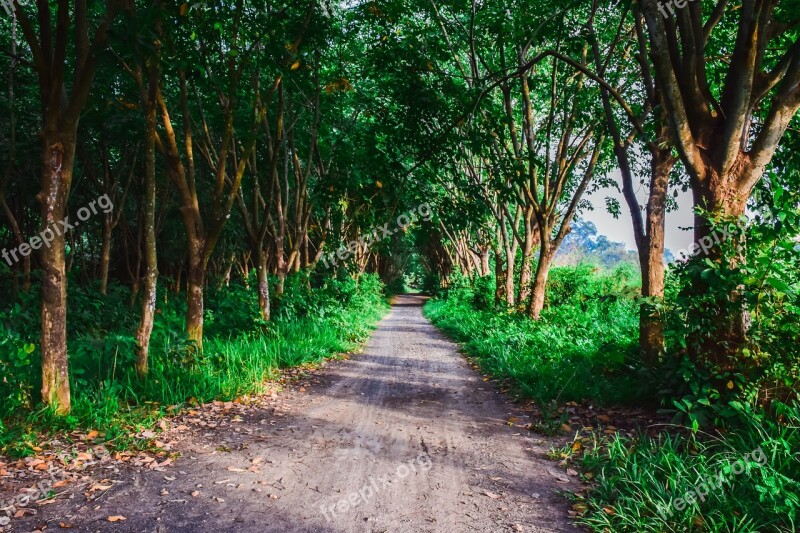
point(588, 329)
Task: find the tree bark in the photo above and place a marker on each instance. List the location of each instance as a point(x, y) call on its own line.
point(536, 305)
point(58, 152)
point(149, 223)
point(105, 253)
point(263, 285)
point(195, 282)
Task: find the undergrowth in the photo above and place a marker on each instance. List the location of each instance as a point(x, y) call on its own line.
point(241, 353)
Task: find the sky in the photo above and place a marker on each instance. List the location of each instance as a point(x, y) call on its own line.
point(621, 229)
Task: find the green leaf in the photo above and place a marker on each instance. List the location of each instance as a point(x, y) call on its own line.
point(779, 285)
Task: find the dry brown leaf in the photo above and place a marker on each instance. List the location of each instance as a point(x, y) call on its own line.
point(580, 508)
point(116, 518)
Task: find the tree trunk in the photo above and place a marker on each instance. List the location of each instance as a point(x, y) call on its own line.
point(195, 282)
point(263, 284)
point(105, 253)
point(651, 258)
point(151, 258)
point(58, 153)
point(722, 345)
point(499, 279)
point(281, 266)
point(539, 292)
point(510, 296)
point(526, 271)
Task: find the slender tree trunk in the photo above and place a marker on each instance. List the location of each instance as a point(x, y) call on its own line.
point(651, 258)
point(499, 278)
point(526, 271)
point(510, 289)
point(263, 284)
point(485, 269)
point(26, 260)
point(58, 153)
point(536, 305)
point(195, 284)
point(281, 267)
point(105, 253)
point(151, 258)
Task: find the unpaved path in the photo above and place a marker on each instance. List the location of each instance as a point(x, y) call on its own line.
point(403, 438)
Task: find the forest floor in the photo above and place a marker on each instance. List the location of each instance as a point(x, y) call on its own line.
point(406, 437)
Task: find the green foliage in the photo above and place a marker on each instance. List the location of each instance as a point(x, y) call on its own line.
point(642, 485)
point(240, 355)
point(755, 279)
point(588, 330)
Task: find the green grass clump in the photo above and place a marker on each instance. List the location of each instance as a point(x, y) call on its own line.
point(744, 481)
point(588, 331)
point(241, 353)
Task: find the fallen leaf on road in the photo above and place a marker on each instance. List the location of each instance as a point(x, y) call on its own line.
point(235, 469)
point(561, 478)
point(492, 495)
point(117, 518)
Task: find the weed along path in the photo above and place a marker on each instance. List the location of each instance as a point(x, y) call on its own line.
point(405, 437)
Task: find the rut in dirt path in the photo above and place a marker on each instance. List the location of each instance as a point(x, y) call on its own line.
point(403, 438)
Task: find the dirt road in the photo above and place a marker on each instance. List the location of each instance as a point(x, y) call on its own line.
point(403, 438)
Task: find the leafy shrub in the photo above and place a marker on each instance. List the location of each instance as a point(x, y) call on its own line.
point(585, 332)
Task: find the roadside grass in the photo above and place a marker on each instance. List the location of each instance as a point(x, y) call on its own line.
point(241, 355)
point(584, 349)
point(743, 481)
point(588, 332)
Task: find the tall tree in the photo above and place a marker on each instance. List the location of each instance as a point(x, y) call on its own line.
point(726, 132)
point(61, 107)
